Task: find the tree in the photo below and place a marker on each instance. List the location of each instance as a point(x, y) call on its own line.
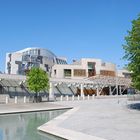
point(37, 80)
point(132, 52)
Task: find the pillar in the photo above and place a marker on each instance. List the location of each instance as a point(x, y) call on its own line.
point(97, 90)
point(6, 100)
point(120, 90)
point(110, 92)
point(51, 94)
point(88, 97)
point(78, 97)
point(82, 92)
point(61, 98)
point(24, 99)
point(67, 97)
point(93, 96)
point(83, 97)
point(72, 97)
point(117, 86)
point(16, 100)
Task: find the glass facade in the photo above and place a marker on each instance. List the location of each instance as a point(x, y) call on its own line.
point(91, 69)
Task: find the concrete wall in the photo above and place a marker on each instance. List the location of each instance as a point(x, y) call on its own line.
point(83, 64)
point(60, 71)
point(14, 67)
point(12, 76)
point(123, 73)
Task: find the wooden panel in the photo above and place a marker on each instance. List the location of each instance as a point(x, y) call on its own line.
point(86, 91)
point(107, 73)
point(79, 72)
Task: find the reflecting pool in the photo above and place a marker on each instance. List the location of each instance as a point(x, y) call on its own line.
point(23, 126)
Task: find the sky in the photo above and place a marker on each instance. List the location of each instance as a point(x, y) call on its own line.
point(69, 28)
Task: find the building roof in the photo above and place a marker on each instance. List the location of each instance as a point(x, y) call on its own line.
point(32, 48)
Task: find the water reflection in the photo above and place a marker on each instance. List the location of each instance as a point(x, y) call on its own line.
point(24, 126)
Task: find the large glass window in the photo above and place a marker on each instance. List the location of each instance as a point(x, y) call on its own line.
point(91, 65)
point(91, 69)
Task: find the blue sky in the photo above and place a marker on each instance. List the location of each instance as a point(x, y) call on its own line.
point(69, 28)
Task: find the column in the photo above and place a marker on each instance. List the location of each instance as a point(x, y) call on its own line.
point(82, 92)
point(16, 100)
point(110, 92)
point(120, 90)
point(117, 86)
point(117, 93)
point(6, 100)
point(24, 99)
point(97, 90)
point(51, 94)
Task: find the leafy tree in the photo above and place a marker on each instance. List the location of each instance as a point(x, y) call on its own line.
point(37, 80)
point(132, 52)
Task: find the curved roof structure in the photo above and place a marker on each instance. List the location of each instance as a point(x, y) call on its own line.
point(44, 52)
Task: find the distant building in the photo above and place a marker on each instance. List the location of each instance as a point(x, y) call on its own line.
point(21, 61)
point(86, 67)
point(124, 73)
point(87, 76)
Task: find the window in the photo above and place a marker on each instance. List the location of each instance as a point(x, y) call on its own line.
point(54, 72)
point(127, 75)
point(67, 72)
point(47, 67)
point(38, 52)
point(91, 65)
point(91, 69)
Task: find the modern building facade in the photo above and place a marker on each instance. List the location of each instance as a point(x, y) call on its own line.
point(124, 73)
point(21, 61)
point(87, 76)
point(90, 76)
point(86, 67)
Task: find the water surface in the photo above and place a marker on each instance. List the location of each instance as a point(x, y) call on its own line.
point(23, 126)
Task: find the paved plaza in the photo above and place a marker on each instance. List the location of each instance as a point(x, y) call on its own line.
point(96, 119)
point(110, 119)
